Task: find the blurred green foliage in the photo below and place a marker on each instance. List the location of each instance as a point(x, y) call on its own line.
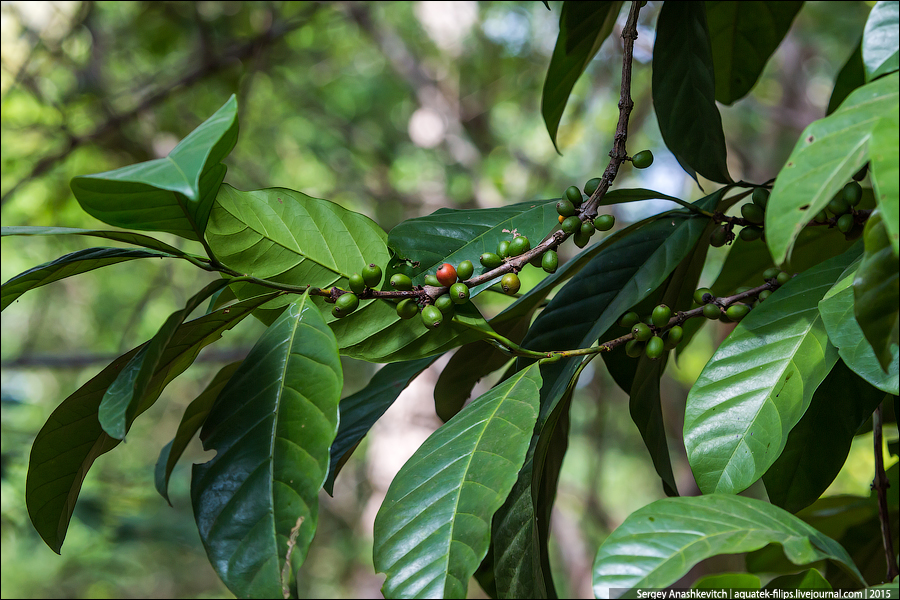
point(390, 109)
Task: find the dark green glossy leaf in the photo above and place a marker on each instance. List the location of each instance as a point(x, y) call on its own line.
point(194, 416)
point(358, 412)
point(876, 292)
point(75, 263)
point(836, 309)
point(659, 543)
point(743, 36)
point(884, 167)
point(71, 439)
point(829, 152)
point(851, 76)
point(582, 28)
point(172, 194)
point(127, 237)
point(809, 579)
point(256, 502)
point(719, 581)
point(880, 40)
point(819, 444)
point(434, 526)
point(684, 90)
point(759, 383)
point(637, 194)
point(453, 235)
point(126, 394)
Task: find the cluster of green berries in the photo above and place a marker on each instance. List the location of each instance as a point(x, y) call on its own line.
point(570, 222)
point(842, 207)
point(348, 302)
point(651, 336)
point(711, 310)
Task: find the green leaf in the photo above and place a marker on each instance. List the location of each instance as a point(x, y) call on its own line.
point(453, 235)
point(809, 579)
point(836, 309)
point(684, 91)
point(728, 580)
point(829, 152)
point(194, 416)
point(851, 76)
point(582, 28)
point(172, 194)
point(126, 394)
point(759, 383)
point(880, 40)
point(819, 444)
point(358, 412)
point(127, 237)
point(71, 439)
point(69, 265)
point(743, 36)
point(256, 502)
point(659, 543)
point(885, 172)
point(434, 526)
point(876, 291)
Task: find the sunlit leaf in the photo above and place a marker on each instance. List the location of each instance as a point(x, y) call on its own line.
point(884, 152)
point(880, 40)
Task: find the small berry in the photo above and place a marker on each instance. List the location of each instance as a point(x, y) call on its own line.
point(845, 223)
point(711, 311)
point(751, 234)
point(444, 303)
point(642, 159)
point(719, 236)
point(604, 222)
point(446, 275)
point(432, 280)
point(700, 296)
point(407, 308)
point(655, 347)
point(661, 315)
point(783, 278)
point(760, 197)
point(591, 186)
point(852, 193)
point(371, 274)
point(763, 295)
point(573, 194)
point(510, 283)
point(550, 261)
point(641, 332)
point(736, 312)
point(345, 304)
point(838, 205)
point(503, 248)
point(465, 269)
point(581, 239)
point(432, 317)
point(673, 337)
point(771, 273)
point(571, 224)
point(357, 284)
point(565, 207)
point(459, 293)
point(861, 174)
point(820, 217)
point(634, 348)
point(561, 219)
point(401, 282)
point(629, 319)
point(753, 213)
point(587, 228)
point(519, 245)
point(490, 260)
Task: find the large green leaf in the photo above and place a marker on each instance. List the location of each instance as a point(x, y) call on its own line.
point(819, 444)
point(433, 529)
point(582, 28)
point(71, 439)
point(826, 156)
point(126, 394)
point(684, 91)
point(358, 412)
point(880, 40)
point(191, 422)
point(172, 194)
point(836, 309)
point(256, 502)
point(453, 235)
point(127, 237)
point(75, 263)
point(885, 172)
point(851, 76)
point(759, 383)
point(743, 36)
point(876, 291)
point(659, 543)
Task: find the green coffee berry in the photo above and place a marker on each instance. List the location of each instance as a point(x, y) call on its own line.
point(751, 234)
point(510, 283)
point(719, 236)
point(861, 174)
point(845, 223)
point(465, 269)
point(357, 284)
point(753, 213)
point(503, 248)
point(655, 347)
point(838, 205)
point(371, 274)
point(783, 278)
point(519, 245)
point(736, 312)
point(401, 282)
point(642, 159)
point(673, 337)
point(407, 308)
point(629, 320)
point(634, 348)
point(760, 197)
point(345, 304)
point(573, 194)
point(591, 186)
point(565, 207)
point(771, 273)
point(711, 311)
point(431, 279)
point(641, 332)
point(587, 228)
point(661, 315)
point(571, 224)
point(490, 260)
point(852, 193)
point(581, 239)
point(444, 303)
point(550, 261)
point(763, 295)
point(700, 296)
point(604, 222)
point(459, 293)
point(432, 317)
point(820, 217)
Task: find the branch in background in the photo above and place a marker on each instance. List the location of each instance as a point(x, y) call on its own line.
point(880, 485)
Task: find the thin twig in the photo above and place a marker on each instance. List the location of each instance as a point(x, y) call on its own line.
point(880, 484)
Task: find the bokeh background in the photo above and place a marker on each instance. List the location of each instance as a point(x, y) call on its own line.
point(390, 109)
